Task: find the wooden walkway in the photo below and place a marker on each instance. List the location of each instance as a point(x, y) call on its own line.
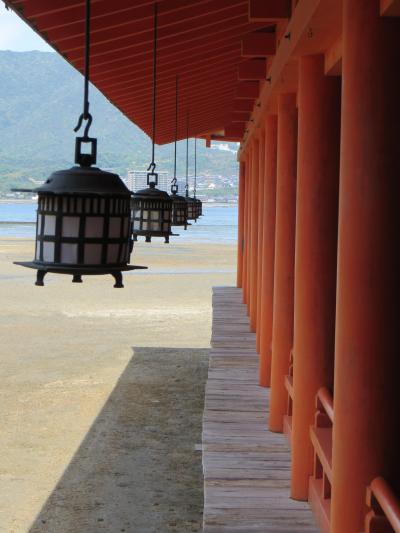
point(246, 467)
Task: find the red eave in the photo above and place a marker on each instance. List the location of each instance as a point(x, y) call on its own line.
point(199, 40)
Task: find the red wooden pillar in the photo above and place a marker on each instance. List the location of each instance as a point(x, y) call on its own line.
point(240, 243)
point(268, 250)
point(367, 362)
point(282, 329)
point(254, 236)
point(315, 264)
point(261, 181)
point(247, 230)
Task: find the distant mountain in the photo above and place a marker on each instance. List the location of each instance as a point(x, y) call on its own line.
point(40, 101)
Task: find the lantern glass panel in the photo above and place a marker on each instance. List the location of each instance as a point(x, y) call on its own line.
point(50, 225)
point(114, 230)
point(92, 255)
point(112, 253)
point(155, 226)
point(69, 253)
point(48, 252)
point(70, 227)
point(94, 227)
point(126, 226)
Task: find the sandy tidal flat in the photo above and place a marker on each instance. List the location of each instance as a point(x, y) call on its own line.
point(101, 392)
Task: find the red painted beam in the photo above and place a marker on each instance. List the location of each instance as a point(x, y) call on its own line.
point(235, 130)
point(259, 44)
point(248, 89)
point(243, 105)
point(269, 11)
point(240, 116)
point(252, 69)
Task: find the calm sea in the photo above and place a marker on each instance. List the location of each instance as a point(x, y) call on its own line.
point(217, 225)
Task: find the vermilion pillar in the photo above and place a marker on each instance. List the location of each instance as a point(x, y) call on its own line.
point(315, 264)
point(282, 329)
point(367, 361)
point(247, 231)
point(240, 243)
point(254, 236)
point(268, 250)
point(261, 180)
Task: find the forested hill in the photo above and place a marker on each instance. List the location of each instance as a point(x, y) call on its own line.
point(40, 101)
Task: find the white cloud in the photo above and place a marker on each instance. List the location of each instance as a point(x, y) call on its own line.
point(16, 35)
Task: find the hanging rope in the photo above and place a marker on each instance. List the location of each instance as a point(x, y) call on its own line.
point(187, 154)
point(86, 114)
point(174, 181)
point(152, 166)
point(176, 120)
point(195, 167)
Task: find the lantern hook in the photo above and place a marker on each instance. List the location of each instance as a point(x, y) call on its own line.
point(151, 173)
point(174, 186)
point(86, 114)
point(89, 119)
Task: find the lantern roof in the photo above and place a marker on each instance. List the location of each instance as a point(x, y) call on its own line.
point(152, 193)
point(84, 180)
point(175, 197)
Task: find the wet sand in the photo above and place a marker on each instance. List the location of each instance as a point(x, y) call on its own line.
point(101, 392)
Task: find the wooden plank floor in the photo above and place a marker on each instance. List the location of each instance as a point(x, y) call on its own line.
point(246, 467)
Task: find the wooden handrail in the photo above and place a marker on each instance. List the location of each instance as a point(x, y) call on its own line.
point(388, 502)
point(324, 397)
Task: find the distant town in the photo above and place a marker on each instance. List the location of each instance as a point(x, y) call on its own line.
point(209, 189)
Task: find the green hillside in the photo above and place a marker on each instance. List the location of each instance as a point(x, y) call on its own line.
point(40, 100)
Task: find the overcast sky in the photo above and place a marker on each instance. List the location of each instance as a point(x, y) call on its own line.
point(16, 35)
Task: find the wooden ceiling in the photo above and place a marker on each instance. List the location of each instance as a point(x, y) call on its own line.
point(217, 47)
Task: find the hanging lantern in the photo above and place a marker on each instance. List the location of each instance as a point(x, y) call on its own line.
point(191, 202)
point(151, 211)
point(152, 208)
point(199, 203)
point(179, 205)
point(83, 217)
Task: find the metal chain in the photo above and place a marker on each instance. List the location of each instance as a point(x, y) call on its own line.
point(176, 119)
point(86, 114)
point(187, 154)
point(152, 165)
point(195, 167)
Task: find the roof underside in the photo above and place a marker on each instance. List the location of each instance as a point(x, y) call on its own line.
point(199, 40)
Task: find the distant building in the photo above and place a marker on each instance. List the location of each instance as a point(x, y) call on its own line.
point(137, 179)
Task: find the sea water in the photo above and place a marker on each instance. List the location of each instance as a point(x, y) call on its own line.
point(217, 225)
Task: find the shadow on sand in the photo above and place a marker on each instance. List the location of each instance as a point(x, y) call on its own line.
point(137, 470)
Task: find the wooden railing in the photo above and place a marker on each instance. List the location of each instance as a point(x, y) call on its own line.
point(321, 438)
point(384, 514)
point(287, 419)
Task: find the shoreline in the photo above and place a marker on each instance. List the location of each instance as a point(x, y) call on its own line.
point(4, 201)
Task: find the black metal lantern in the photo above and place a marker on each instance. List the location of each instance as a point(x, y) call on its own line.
point(198, 207)
point(83, 217)
point(152, 208)
point(151, 212)
point(83, 224)
point(199, 203)
point(191, 202)
point(179, 205)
